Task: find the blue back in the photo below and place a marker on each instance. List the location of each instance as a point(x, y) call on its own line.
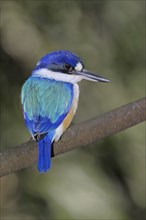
point(46, 102)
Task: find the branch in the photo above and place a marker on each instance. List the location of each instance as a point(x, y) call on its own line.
point(82, 134)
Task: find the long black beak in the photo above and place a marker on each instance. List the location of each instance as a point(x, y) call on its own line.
point(91, 76)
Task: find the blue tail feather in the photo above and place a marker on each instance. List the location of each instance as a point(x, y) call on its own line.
point(44, 153)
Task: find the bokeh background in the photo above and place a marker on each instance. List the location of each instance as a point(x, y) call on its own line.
point(105, 180)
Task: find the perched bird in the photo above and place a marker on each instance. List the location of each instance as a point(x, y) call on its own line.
point(50, 98)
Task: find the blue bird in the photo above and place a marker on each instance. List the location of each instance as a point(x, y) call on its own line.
point(50, 98)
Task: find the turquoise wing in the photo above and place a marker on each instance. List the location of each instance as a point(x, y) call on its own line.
point(45, 103)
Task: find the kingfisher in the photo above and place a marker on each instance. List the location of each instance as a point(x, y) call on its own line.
point(50, 98)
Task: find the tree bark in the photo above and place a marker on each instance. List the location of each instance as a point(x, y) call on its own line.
point(24, 155)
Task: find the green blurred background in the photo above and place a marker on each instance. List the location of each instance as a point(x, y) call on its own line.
point(105, 180)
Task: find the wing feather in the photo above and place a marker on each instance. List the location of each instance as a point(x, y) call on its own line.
point(46, 103)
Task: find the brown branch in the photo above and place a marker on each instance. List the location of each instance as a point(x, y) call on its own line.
point(78, 135)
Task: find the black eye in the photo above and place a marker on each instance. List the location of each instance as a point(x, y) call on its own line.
point(68, 68)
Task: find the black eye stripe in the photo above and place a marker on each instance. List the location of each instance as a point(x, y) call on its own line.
point(65, 68)
point(68, 68)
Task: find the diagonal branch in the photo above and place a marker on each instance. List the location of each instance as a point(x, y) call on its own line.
point(82, 134)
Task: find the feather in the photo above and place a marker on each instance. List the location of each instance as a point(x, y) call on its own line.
point(44, 152)
point(45, 103)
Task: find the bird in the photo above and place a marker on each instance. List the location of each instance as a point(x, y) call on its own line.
point(49, 99)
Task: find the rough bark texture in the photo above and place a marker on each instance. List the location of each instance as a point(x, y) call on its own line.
point(82, 134)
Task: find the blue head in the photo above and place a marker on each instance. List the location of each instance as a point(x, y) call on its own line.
point(63, 65)
point(58, 59)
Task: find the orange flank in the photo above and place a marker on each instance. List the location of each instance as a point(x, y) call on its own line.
point(68, 119)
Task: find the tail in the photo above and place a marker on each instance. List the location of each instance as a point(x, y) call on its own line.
point(44, 153)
